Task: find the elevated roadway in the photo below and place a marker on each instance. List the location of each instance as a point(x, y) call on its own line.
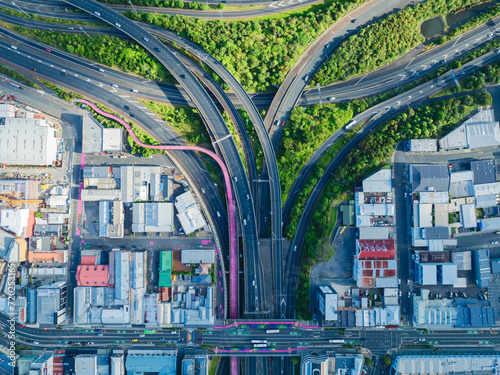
point(213, 120)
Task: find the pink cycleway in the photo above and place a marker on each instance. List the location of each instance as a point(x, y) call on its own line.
point(233, 238)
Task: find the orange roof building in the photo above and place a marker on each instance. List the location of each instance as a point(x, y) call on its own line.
point(92, 275)
point(58, 256)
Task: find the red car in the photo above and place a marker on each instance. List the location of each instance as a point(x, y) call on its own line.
point(46, 49)
point(283, 123)
point(20, 326)
point(33, 69)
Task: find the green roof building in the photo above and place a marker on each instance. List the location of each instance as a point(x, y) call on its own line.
point(165, 269)
point(348, 218)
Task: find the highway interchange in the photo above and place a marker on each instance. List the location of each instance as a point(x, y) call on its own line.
point(82, 76)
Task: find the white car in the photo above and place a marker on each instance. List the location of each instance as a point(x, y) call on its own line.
point(97, 14)
point(494, 242)
point(118, 25)
point(400, 293)
point(331, 98)
point(218, 214)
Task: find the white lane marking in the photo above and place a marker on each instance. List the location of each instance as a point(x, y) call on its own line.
point(402, 76)
point(124, 96)
point(159, 120)
point(133, 101)
point(100, 84)
point(362, 78)
point(407, 65)
point(114, 90)
point(457, 40)
point(86, 79)
point(272, 6)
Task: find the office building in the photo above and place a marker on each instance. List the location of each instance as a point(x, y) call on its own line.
point(327, 303)
point(51, 304)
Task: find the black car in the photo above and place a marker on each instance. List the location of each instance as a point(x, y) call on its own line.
point(126, 107)
point(132, 115)
point(157, 49)
point(64, 73)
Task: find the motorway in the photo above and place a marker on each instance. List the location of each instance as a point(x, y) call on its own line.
point(394, 75)
point(260, 8)
point(243, 97)
point(377, 115)
point(222, 138)
point(390, 77)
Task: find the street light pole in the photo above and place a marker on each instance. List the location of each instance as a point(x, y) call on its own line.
point(85, 32)
point(145, 67)
point(13, 3)
point(130, 2)
point(300, 4)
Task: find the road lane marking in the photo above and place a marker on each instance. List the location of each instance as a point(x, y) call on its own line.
point(362, 78)
point(410, 62)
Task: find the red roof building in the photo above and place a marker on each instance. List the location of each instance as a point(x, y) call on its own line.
point(87, 259)
point(92, 275)
point(374, 259)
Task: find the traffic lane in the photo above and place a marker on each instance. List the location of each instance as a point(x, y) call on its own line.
point(402, 200)
point(270, 157)
point(402, 71)
point(394, 105)
point(314, 56)
point(180, 72)
point(165, 135)
point(270, 7)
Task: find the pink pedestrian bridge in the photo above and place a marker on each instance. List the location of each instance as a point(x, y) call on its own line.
point(233, 269)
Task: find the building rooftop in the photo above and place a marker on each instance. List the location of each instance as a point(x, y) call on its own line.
point(162, 362)
point(111, 218)
point(484, 171)
point(88, 275)
point(27, 141)
point(429, 177)
point(437, 233)
point(197, 256)
point(153, 217)
point(423, 145)
point(165, 269)
point(379, 182)
point(468, 215)
point(445, 364)
point(482, 267)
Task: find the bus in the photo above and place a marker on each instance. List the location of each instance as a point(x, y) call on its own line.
point(337, 341)
point(272, 331)
point(259, 341)
point(350, 124)
point(260, 345)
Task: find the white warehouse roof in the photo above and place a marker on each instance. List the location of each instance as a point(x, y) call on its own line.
point(27, 141)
